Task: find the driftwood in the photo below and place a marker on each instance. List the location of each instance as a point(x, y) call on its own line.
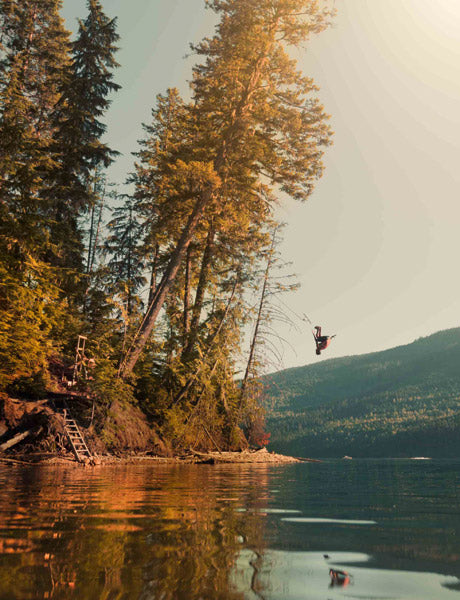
point(16, 462)
point(18, 438)
point(259, 456)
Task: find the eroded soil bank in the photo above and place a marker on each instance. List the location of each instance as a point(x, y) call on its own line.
point(131, 440)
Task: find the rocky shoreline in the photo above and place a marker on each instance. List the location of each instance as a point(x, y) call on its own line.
point(243, 458)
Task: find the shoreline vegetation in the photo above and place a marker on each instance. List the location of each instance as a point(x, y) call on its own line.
point(140, 315)
point(43, 415)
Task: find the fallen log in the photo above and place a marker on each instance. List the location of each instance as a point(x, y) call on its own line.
point(311, 460)
point(18, 438)
point(15, 462)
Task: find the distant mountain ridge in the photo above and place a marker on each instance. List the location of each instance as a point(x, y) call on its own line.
point(404, 401)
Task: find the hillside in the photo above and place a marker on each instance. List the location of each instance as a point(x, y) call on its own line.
point(400, 402)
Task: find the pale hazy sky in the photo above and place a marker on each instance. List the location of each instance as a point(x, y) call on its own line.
point(377, 246)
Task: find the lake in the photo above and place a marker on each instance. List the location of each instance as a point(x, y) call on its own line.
point(231, 531)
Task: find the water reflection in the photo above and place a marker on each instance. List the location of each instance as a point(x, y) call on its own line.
point(305, 575)
point(131, 532)
point(231, 532)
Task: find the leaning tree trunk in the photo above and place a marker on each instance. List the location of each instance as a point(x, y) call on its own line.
point(211, 341)
point(200, 290)
point(153, 275)
point(188, 275)
point(233, 133)
point(164, 286)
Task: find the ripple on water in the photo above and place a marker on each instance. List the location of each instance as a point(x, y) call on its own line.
point(188, 532)
point(269, 511)
point(327, 520)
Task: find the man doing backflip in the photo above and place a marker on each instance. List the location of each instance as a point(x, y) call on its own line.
point(322, 341)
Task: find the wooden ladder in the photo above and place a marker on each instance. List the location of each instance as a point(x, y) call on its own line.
point(74, 435)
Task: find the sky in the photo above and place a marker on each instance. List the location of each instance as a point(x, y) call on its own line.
point(376, 247)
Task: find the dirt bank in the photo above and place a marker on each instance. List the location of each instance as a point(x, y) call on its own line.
point(34, 432)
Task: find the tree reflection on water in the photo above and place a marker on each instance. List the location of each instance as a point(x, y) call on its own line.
point(129, 532)
point(230, 531)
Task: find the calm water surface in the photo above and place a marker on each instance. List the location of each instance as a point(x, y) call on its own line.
point(231, 532)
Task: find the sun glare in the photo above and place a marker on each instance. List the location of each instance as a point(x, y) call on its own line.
point(441, 17)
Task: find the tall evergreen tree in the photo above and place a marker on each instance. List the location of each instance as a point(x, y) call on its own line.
point(34, 57)
point(33, 63)
point(79, 148)
point(257, 126)
point(31, 312)
point(125, 265)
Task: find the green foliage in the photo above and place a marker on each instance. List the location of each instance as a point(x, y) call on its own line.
point(41, 252)
point(77, 147)
point(173, 282)
point(30, 310)
point(107, 387)
point(205, 187)
point(126, 262)
point(254, 128)
point(400, 402)
point(34, 61)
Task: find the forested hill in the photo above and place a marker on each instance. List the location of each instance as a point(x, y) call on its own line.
point(400, 402)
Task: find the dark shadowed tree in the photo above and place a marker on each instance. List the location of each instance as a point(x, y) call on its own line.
point(79, 148)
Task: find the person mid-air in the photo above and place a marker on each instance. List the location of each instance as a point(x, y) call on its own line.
point(322, 341)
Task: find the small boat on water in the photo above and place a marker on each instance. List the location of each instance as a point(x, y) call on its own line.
point(347, 458)
point(420, 458)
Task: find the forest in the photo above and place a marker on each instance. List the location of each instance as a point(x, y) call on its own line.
point(402, 402)
point(169, 277)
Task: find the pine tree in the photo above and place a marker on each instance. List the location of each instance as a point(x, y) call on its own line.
point(30, 313)
point(125, 264)
point(79, 149)
point(162, 198)
point(257, 126)
point(34, 60)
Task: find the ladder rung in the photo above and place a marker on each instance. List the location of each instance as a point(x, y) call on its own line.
point(74, 435)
